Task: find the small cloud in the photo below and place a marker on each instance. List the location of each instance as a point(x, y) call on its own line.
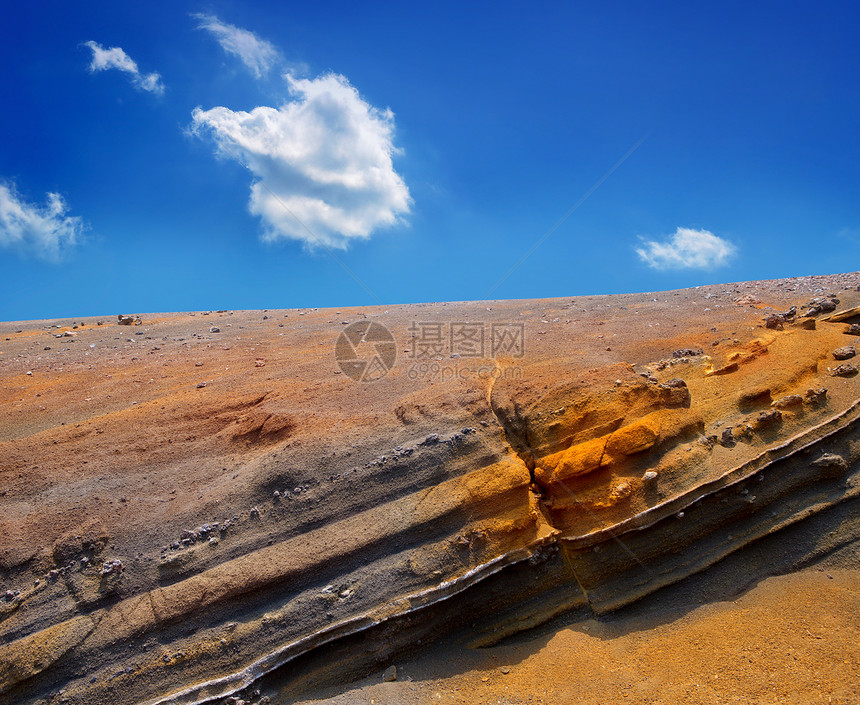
point(322, 162)
point(45, 231)
point(257, 54)
point(116, 58)
point(687, 249)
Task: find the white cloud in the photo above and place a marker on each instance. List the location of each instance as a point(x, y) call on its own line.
point(45, 231)
point(322, 160)
point(257, 54)
point(116, 58)
point(687, 249)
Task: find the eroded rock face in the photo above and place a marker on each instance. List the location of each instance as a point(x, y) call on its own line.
point(179, 520)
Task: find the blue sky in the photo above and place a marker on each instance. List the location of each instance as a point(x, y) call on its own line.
point(187, 155)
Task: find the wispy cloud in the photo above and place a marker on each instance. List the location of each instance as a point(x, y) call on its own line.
point(687, 249)
point(257, 54)
point(322, 162)
point(45, 231)
point(116, 58)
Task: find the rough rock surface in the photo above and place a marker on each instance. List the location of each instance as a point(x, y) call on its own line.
point(182, 524)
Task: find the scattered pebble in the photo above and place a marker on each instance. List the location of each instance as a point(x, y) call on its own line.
point(844, 370)
point(389, 674)
point(687, 352)
point(114, 566)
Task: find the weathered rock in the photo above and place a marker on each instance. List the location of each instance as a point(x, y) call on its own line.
point(787, 401)
point(389, 675)
point(844, 370)
point(747, 300)
point(675, 383)
point(831, 464)
point(687, 352)
point(112, 567)
point(125, 320)
point(774, 321)
point(768, 418)
point(844, 353)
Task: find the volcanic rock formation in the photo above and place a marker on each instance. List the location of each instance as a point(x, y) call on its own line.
point(197, 502)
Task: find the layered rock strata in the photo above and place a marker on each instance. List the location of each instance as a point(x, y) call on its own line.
point(202, 499)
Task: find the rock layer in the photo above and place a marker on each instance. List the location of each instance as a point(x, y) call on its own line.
point(189, 506)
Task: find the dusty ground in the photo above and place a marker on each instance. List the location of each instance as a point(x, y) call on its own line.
point(115, 440)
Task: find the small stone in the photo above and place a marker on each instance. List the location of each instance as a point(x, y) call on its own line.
point(125, 320)
point(774, 322)
point(844, 353)
point(816, 396)
point(276, 495)
point(747, 300)
point(201, 385)
point(505, 670)
point(675, 383)
point(687, 352)
point(831, 463)
point(649, 476)
point(768, 418)
point(853, 329)
point(432, 439)
point(214, 329)
point(844, 370)
point(114, 566)
point(254, 513)
point(389, 674)
point(727, 439)
point(787, 401)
